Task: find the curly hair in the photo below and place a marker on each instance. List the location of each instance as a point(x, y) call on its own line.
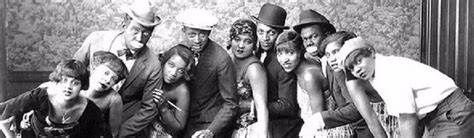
point(71, 68)
point(185, 53)
point(243, 26)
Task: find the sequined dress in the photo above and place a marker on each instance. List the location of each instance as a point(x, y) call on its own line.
point(245, 127)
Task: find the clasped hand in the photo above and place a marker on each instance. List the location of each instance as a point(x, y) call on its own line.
point(159, 98)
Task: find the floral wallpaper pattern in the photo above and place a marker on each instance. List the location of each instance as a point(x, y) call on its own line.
point(40, 34)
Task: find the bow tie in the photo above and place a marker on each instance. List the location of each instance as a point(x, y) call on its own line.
point(128, 54)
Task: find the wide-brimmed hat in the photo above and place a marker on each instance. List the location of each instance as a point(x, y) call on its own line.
point(272, 15)
point(308, 17)
point(141, 12)
point(350, 46)
point(197, 18)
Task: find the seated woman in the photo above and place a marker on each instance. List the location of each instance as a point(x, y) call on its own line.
point(106, 70)
point(173, 99)
point(252, 89)
point(421, 96)
point(59, 110)
point(311, 85)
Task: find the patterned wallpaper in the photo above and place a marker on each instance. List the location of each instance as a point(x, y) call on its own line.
point(40, 34)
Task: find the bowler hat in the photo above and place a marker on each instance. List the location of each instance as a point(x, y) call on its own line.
point(140, 11)
point(308, 17)
point(272, 15)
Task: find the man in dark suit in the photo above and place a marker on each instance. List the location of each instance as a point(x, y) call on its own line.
point(314, 28)
point(213, 87)
point(282, 105)
point(129, 45)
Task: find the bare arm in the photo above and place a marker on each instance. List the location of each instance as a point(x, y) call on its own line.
point(313, 84)
point(115, 114)
point(255, 73)
point(361, 101)
point(409, 125)
point(176, 121)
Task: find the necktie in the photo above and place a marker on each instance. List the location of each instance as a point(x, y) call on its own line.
point(128, 54)
point(196, 58)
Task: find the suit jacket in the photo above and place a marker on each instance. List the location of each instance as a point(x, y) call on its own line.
point(282, 104)
point(145, 75)
point(346, 112)
point(213, 93)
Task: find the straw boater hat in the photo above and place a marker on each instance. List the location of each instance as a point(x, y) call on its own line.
point(348, 47)
point(309, 17)
point(272, 15)
point(141, 12)
point(197, 18)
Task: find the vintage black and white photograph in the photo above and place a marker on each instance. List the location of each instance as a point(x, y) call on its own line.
point(236, 68)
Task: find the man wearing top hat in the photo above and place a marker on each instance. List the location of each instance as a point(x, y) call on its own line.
point(282, 105)
point(314, 28)
point(213, 104)
point(130, 45)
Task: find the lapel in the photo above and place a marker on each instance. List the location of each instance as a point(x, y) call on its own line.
point(204, 69)
point(137, 68)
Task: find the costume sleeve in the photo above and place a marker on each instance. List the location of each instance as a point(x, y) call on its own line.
point(286, 104)
point(228, 91)
point(22, 103)
point(148, 110)
point(83, 53)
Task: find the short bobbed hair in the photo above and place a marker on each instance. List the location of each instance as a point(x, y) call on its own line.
point(111, 61)
point(290, 41)
point(71, 68)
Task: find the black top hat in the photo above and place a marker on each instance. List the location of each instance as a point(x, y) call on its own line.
point(309, 17)
point(272, 15)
